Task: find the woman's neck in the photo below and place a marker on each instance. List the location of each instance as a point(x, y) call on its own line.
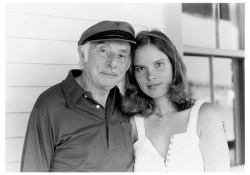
point(163, 106)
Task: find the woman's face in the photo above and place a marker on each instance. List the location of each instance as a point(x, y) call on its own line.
point(153, 71)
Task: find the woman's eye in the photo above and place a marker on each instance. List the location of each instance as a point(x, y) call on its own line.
point(159, 64)
point(139, 69)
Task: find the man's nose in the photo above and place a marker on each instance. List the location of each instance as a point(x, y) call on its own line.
point(112, 61)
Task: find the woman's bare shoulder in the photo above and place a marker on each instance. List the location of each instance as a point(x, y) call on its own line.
point(209, 117)
point(208, 111)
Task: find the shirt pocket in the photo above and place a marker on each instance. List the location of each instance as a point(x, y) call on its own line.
point(127, 129)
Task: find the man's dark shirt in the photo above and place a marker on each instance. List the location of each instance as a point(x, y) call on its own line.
point(70, 131)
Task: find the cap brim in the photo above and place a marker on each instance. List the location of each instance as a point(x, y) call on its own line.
point(113, 39)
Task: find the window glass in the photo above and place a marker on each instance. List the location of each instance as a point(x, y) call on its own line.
point(224, 11)
point(198, 25)
point(224, 99)
point(198, 76)
point(224, 92)
point(199, 9)
point(229, 26)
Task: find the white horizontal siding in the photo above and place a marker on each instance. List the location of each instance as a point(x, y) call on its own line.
point(12, 166)
point(36, 74)
point(13, 149)
point(21, 99)
point(57, 28)
point(44, 27)
point(21, 50)
point(136, 14)
point(16, 124)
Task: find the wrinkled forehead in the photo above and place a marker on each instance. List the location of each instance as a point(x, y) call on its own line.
point(113, 44)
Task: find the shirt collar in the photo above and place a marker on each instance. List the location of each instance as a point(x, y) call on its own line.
point(72, 90)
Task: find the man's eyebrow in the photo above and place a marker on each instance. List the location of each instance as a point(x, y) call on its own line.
point(124, 50)
point(100, 42)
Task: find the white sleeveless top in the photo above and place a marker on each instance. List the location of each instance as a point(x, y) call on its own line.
point(184, 154)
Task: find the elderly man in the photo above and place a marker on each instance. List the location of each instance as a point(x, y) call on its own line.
point(77, 124)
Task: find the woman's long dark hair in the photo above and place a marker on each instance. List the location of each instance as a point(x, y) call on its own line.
point(137, 102)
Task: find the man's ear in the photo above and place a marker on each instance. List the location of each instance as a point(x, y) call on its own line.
point(81, 53)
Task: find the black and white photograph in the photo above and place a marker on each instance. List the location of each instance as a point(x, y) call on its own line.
point(152, 86)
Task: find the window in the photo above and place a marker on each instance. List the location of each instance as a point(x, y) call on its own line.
point(215, 83)
point(198, 25)
point(211, 25)
point(228, 26)
point(200, 9)
point(213, 38)
point(199, 83)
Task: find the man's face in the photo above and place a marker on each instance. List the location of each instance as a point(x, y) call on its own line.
point(107, 63)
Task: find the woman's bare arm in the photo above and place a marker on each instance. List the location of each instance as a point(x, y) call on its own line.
point(213, 143)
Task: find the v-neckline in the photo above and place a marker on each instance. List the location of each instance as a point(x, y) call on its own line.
point(156, 151)
point(172, 136)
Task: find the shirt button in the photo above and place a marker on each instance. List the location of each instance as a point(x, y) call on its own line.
point(85, 96)
point(97, 106)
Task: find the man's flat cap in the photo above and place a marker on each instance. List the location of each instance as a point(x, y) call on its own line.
point(109, 30)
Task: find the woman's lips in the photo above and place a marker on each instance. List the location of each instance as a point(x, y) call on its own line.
point(153, 86)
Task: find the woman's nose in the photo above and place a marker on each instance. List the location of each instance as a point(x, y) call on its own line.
point(151, 75)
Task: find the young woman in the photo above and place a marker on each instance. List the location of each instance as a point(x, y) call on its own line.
point(171, 130)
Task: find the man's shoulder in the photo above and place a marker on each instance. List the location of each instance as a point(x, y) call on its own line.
point(50, 95)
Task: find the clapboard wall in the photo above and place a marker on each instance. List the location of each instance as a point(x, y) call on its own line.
point(41, 47)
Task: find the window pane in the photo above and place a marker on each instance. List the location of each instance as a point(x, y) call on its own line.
point(198, 25)
point(224, 92)
point(198, 76)
point(224, 98)
point(229, 26)
point(201, 9)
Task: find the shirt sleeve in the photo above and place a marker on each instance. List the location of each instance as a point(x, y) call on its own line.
point(38, 144)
